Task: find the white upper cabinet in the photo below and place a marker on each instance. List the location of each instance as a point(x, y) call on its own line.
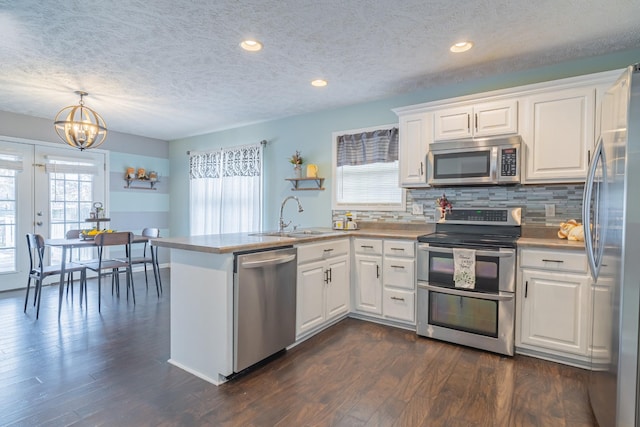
point(558, 131)
point(478, 120)
point(414, 138)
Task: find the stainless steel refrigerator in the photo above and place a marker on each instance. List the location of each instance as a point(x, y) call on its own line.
point(611, 214)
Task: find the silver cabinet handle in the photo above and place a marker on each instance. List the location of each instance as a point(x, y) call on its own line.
point(328, 250)
point(366, 246)
point(397, 249)
point(397, 266)
point(553, 260)
point(397, 299)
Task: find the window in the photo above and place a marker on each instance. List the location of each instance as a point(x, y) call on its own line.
point(10, 165)
point(71, 196)
point(366, 170)
point(226, 190)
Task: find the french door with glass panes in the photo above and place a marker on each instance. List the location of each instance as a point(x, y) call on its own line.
point(54, 192)
point(67, 184)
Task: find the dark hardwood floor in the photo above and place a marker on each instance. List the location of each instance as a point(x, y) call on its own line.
point(111, 369)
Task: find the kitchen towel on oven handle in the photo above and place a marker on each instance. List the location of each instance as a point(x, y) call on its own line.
point(464, 268)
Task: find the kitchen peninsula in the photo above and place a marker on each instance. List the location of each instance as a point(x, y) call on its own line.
point(202, 280)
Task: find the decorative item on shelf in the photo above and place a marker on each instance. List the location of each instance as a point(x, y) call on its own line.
point(141, 174)
point(445, 205)
point(296, 160)
point(312, 171)
point(153, 176)
point(130, 174)
point(80, 126)
point(99, 209)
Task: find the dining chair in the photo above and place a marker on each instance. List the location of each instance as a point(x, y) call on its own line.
point(38, 271)
point(72, 234)
point(150, 257)
point(102, 241)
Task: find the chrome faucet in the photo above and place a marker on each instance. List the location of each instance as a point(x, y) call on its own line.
point(282, 225)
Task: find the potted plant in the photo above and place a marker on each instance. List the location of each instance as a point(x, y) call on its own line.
point(296, 160)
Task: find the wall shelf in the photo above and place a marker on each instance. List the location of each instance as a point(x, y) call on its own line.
point(295, 183)
point(138, 187)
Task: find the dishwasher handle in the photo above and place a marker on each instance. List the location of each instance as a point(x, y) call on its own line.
point(270, 261)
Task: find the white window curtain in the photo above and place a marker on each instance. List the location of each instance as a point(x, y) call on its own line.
point(226, 190)
point(55, 164)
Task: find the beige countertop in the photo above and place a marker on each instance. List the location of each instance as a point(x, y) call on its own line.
point(236, 242)
point(546, 237)
point(541, 237)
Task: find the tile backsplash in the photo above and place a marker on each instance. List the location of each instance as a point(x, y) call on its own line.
point(566, 198)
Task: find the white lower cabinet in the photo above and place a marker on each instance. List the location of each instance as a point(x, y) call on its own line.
point(368, 275)
point(322, 284)
point(554, 304)
point(384, 279)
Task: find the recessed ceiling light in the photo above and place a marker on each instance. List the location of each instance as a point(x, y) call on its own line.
point(319, 83)
point(461, 47)
point(251, 45)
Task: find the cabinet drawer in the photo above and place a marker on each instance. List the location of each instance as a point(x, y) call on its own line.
point(399, 273)
point(554, 260)
point(316, 251)
point(367, 246)
point(399, 305)
point(403, 248)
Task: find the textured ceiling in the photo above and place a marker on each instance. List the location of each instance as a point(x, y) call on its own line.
point(173, 68)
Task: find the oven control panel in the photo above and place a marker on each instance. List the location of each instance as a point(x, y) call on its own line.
point(486, 216)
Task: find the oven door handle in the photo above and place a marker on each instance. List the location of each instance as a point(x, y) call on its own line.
point(497, 254)
point(492, 297)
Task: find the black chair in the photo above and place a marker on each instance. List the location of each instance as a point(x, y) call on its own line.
point(103, 240)
point(150, 257)
point(72, 234)
point(38, 271)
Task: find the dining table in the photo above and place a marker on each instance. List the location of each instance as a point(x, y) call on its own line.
point(81, 242)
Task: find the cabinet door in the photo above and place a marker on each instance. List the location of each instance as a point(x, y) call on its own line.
point(399, 273)
point(337, 290)
point(368, 286)
point(495, 118)
point(415, 132)
point(559, 135)
point(554, 311)
point(399, 305)
point(452, 123)
point(310, 296)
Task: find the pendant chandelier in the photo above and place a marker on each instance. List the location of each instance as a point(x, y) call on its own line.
point(80, 126)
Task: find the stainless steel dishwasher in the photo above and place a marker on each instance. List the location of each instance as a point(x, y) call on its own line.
point(264, 304)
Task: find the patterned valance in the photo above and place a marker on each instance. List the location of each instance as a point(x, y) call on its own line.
point(379, 146)
point(234, 161)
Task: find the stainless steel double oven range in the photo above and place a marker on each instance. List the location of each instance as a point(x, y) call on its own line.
point(482, 317)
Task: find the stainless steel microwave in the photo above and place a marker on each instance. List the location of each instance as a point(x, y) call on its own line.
point(475, 162)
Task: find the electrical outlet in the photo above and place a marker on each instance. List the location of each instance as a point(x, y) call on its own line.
point(417, 209)
point(550, 210)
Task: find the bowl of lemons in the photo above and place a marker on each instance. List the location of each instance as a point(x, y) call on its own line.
point(89, 234)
